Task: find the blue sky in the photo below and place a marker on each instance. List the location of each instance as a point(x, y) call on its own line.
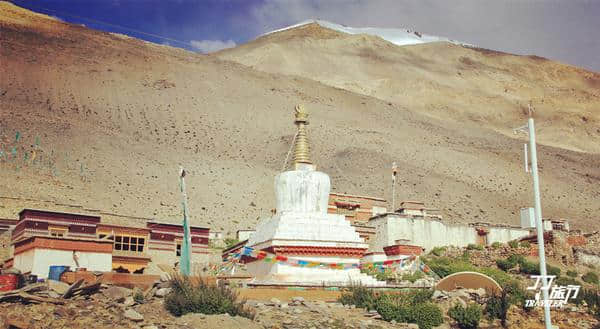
point(563, 30)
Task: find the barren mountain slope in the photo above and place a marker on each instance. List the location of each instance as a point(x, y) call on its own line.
point(115, 117)
point(442, 80)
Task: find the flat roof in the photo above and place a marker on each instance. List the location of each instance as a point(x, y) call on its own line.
point(66, 214)
point(358, 196)
point(174, 224)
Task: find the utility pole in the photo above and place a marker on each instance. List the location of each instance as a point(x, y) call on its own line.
point(394, 172)
point(186, 244)
point(538, 215)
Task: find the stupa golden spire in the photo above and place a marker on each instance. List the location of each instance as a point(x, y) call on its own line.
point(301, 147)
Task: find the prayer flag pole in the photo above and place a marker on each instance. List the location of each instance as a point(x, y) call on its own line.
point(186, 245)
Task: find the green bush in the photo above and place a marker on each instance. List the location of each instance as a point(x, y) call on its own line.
point(427, 315)
point(516, 259)
point(138, 296)
point(590, 277)
point(472, 246)
point(359, 296)
point(410, 307)
point(496, 245)
point(466, 318)
point(466, 256)
point(498, 304)
point(565, 281)
point(384, 275)
point(444, 266)
point(194, 295)
point(525, 244)
point(412, 277)
point(510, 262)
point(552, 270)
point(530, 268)
point(504, 264)
point(438, 251)
point(513, 244)
point(572, 274)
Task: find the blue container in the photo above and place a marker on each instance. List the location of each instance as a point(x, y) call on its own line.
point(56, 271)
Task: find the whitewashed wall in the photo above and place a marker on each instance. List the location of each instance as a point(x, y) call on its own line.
point(505, 234)
point(429, 233)
point(38, 261)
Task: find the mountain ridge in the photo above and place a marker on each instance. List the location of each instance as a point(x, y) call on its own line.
point(117, 116)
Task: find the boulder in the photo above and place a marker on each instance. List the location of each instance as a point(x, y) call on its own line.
point(58, 287)
point(162, 292)
point(129, 301)
point(117, 294)
point(133, 315)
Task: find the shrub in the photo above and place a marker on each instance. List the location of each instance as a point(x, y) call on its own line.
point(412, 277)
point(504, 264)
point(516, 259)
point(138, 296)
point(510, 262)
point(466, 318)
point(438, 251)
point(466, 256)
point(500, 276)
point(513, 244)
point(427, 315)
point(552, 270)
point(497, 306)
point(565, 281)
point(472, 246)
point(360, 296)
point(444, 266)
point(590, 277)
point(530, 268)
point(496, 245)
point(525, 244)
point(391, 309)
point(572, 274)
point(384, 275)
point(194, 295)
point(410, 307)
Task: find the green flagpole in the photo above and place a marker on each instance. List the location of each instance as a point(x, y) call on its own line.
point(186, 245)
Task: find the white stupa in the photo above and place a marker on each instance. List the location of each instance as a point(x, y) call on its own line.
point(301, 229)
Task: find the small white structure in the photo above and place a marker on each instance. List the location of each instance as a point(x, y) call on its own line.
point(244, 234)
point(527, 218)
point(302, 229)
point(37, 261)
point(429, 233)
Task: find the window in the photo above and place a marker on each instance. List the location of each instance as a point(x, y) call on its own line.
point(57, 231)
point(129, 243)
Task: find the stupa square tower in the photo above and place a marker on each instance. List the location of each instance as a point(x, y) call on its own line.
point(301, 229)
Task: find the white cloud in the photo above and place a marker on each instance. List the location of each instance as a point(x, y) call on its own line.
point(209, 46)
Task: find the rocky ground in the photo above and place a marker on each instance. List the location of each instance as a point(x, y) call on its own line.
point(116, 307)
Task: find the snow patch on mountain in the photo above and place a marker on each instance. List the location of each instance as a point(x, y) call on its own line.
point(400, 37)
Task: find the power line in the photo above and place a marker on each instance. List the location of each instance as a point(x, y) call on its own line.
point(110, 24)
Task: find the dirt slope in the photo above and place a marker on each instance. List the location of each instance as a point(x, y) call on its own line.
point(116, 116)
point(441, 80)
